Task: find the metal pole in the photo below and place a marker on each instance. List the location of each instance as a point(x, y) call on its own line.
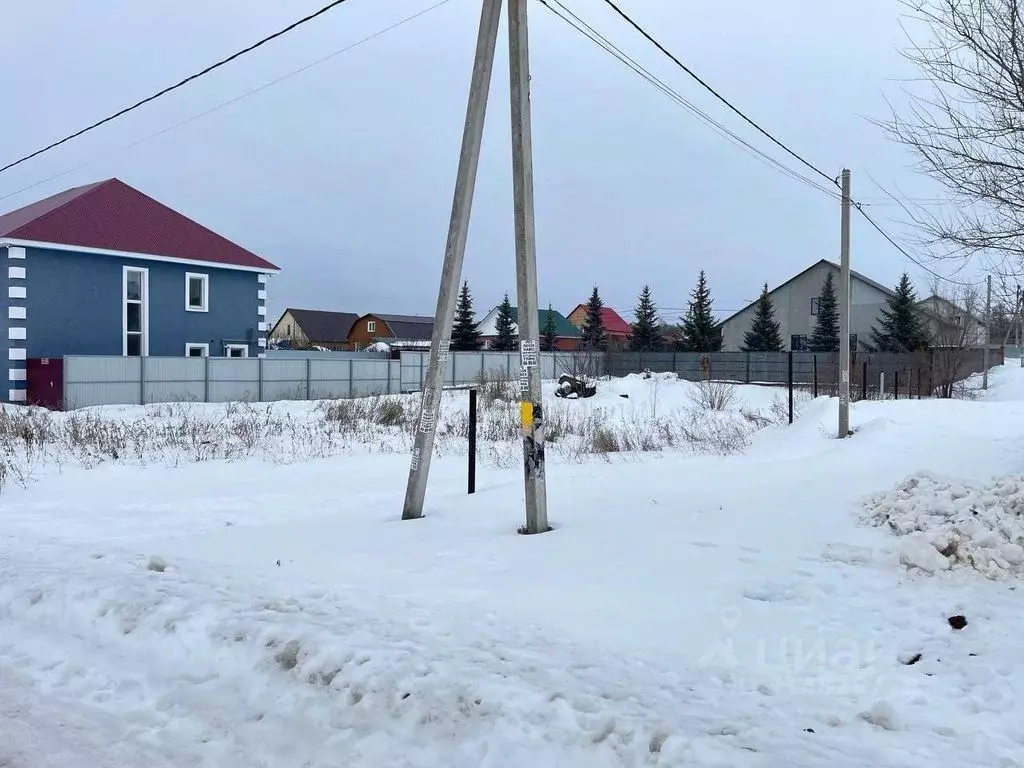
point(844, 312)
point(988, 329)
point(814, 363)
point(471, 479)
point(455, 250)
point(790, 386)
point(531, 402)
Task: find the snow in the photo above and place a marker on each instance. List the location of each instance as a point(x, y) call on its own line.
point(692, 607)
point(949, 522)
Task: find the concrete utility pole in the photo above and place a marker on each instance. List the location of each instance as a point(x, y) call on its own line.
point(844, 314)
point(531, 405)
point(988, 329)
point(455, 250)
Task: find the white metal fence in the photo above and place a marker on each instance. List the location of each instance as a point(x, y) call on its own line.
point(90, 381)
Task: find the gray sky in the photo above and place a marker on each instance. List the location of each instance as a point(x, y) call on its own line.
point(343, 174)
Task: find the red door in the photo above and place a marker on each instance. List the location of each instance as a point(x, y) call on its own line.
point(46, 382)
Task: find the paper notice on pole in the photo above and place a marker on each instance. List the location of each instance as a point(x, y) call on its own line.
point(442, 350)
point(528, 353)
point(415, 459)
point(427, 420)
point(846, 377)
point(524, 379)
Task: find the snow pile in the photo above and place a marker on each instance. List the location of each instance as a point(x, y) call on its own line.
point(948, 523)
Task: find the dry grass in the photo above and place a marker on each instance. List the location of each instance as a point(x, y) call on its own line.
point(35, 441)
point(713, 395)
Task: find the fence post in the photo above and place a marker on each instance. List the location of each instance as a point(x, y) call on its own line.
point(814, 368)
point(350, 392)
point(309, 377)
point(259, 383)
point(790, 386)
point(748, 368)
point(864, 382)
point(931, 373)
point(206, 379)
point(483, 369)
point(896, 384)
point(881, 384)
point(676, 370)
point(142, 380)
point(471, 477)
point(919, 383)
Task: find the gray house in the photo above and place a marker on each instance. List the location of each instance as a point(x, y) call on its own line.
point(796, 307)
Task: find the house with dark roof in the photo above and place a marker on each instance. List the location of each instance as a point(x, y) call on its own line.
point(309, 328)
point(796, 308)
point(616, 329)
point(103, 269)
point(567, 335)
point(397, 331)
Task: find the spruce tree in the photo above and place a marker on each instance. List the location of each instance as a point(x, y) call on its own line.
point(826, 327)
point(900, 328)
point(764, 334)
point(644, 333)
point(505, 340)
point(548, 332)
point(700, 333)
point(594, 337)
point(465, 333)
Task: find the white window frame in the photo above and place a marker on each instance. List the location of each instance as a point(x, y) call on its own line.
point(243, 347)
point(196, 345)
point(144, 302)
point(189, 277)
point(371, 326)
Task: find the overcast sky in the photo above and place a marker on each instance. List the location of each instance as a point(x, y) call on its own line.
point(342, 175)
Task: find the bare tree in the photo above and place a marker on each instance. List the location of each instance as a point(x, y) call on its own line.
point(955, 334)
point(967, 126)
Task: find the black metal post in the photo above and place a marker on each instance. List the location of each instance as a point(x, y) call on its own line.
point(918, 383)
point(472, 441)
point(814, 365)
point(896, 384)
point(790, 386)
point(864, 382)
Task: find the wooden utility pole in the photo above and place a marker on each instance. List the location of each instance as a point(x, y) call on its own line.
point(988, 330)
point(844, 313)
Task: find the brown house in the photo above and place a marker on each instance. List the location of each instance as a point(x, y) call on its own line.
point(397, 331)
point(307, 328)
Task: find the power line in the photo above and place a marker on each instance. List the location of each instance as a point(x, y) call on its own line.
point(907, 254)
point(588, 31)
point(179, 84)
point(715, 93)
point(234, 100)
point(761, 130)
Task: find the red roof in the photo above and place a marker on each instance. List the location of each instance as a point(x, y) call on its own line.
point(110, 215)
point(611, 321)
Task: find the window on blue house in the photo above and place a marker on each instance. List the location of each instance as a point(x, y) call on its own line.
point(197, 292)
point(135, 301)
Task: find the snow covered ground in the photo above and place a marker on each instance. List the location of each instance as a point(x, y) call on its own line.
point(254, 600)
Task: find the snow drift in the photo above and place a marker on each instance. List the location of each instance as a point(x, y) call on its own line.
point(949, 523)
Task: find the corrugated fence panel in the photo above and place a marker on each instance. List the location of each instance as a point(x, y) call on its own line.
point(233, 380)
point(102, 381)
point(330, 379)
point(469, 366)
point(284, 379)
point(370, 377)
point(174, 379)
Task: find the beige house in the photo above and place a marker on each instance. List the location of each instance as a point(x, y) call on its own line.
point(951, 325)
point(310, 328)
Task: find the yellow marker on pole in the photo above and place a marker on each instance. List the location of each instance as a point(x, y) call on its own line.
point(526, 416)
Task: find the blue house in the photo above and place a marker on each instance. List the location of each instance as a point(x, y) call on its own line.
point(105, 270)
